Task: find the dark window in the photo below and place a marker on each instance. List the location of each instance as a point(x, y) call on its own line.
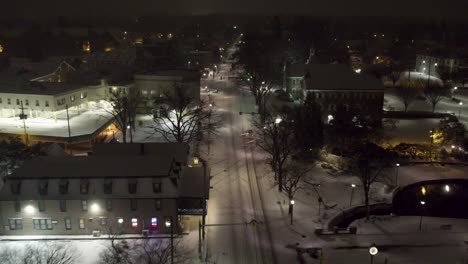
point(133, 204)
point(47, 103)
point(84, 187)
point(9, 101)
point(132, 186)
point(107, 186)
point(17, 206)
point(42, 224)
point(15, 186)
point(63, 205)
point(17, 102)
point(43, 187)
point(37, 102)
point(26, 102)
point(15, 223)
point(84, 205)
point(63, 187)
point(109, 205)
point(157, 186)
point(68, 223)
point(157, 204)
point(41, 205)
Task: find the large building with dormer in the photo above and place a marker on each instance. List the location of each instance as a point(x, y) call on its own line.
point(137, 187)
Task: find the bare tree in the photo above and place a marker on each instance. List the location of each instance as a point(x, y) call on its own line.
point(435, 94)
point(181, 118)
point(394, 77)
point(407, 94)
point(117, 251)
point(124, 108)
point(40, 253)
point(158, 251)
point(293, 181)
point(276, 138)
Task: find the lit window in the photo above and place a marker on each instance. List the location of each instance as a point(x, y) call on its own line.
point(82, 223)
point(42, 224)
point(134, 222)
point(154, 222)
point(72, 98)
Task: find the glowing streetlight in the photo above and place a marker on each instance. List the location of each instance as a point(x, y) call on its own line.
point(29, 209)
point(291, 209)
point(423, 203)
point(352, 194)
point(278, 120)
point(94, 208)
point(120, 220)
point(423, 190)
point(459, 109)
point(211, 105)
point(373, 251)
point(447, 188)
point(396, 173)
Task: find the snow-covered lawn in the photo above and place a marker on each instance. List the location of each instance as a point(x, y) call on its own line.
point(83, 124)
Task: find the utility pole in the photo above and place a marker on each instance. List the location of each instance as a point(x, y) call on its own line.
point(24, 117)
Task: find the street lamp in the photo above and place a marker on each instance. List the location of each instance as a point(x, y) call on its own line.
point(29, 209)
point(352, 193)
point(373, 251)
point(431, 135)
point(291, 209)
point(278, 120)
point(396, 173)
point(168, 224)
point(447, 188)
point(423, 203)
point(459, 109)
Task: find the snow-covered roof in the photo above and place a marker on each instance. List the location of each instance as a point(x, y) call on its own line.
point(338, 77)
point(178, 151)
point(94, 167)
point(39, 88)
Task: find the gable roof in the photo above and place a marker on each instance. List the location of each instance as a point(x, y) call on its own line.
point(333, 77)
point(94, 167)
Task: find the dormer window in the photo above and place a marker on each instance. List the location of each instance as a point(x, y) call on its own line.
point(84, 187)
point(107, 186)
point(15, 186)
point(63, 187)
point(157, 185)
point(43, 187)
point(132, 186)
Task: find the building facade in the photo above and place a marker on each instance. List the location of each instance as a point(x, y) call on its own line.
point(335, 85)
point(430, 64)
point(85, 195)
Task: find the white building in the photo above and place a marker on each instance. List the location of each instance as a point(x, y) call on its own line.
point(429, 64)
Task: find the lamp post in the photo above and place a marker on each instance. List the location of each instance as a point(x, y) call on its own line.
point(169, 223)
point(291, 206)
point(459, 109)
point(352, 194)
point(373, 251)
point(423, 203)
point(396, 173)
point(431, 135)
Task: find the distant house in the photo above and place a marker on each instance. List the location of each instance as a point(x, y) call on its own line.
point(84, 195)
point(429, 64)
point(334, 85)
point(162, 82)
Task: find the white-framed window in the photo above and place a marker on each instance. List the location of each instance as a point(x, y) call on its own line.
point(42, 223)
point(84, 205)
point(154, 222)
point(82, 223)
point(15, 223)
point(8, 101)
point(134, 222)
point(68, 223)
point(72, 98)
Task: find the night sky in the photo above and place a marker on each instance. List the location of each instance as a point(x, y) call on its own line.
point(132, 8)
